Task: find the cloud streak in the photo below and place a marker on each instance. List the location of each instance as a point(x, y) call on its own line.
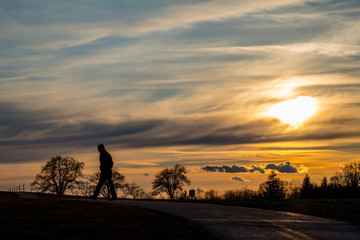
point(320, 48)
point(281, 168)
point(238, 179)
point(65, 30)
point(26, 128)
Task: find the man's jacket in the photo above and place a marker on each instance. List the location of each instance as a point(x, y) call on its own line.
point(106, 162)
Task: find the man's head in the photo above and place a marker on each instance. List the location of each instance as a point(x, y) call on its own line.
point(101, 147)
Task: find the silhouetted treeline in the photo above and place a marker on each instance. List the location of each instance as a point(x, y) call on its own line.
point(344, 184)
point(63, 173)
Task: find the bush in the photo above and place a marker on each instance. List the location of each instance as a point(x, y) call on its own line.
point(240, 194)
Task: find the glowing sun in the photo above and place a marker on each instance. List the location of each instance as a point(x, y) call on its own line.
point(294, 111)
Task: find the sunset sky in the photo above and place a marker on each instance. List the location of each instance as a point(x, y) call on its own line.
point(181, 82)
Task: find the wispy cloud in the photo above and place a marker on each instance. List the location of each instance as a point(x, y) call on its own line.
point(62, 32)
point(321, 48)
point(186, 15)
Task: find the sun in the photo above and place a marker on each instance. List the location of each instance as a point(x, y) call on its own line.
point(295, 111)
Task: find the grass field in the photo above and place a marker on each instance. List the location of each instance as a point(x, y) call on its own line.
point(53, 218)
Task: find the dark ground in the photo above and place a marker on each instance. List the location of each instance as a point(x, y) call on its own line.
point(52, 218)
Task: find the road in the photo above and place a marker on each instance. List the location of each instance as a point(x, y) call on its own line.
point(232, 222)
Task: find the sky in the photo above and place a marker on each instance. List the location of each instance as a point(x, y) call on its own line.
point(180, 82)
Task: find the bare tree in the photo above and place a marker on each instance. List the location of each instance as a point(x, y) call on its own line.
point(118, 181)
point(349, 177)
point(211, 194)
point(125, 190)
point(351, 174)
point(134, 190)
point(170, 180)
point(58, 175)
point(240, 194)
point(199, 193)
point(85, 188)
point(337, 181)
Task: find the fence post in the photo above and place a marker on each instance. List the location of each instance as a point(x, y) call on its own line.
point(17, 188)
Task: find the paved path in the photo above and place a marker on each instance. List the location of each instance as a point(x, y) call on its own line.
point(231, 222)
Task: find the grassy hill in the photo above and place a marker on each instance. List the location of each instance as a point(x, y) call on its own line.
point(52, 218)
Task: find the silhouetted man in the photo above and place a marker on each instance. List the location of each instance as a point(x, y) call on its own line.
point(106, 165)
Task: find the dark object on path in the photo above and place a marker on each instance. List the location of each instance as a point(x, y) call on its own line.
point(192, 194)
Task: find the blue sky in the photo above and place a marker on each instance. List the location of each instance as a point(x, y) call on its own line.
point(173, 77)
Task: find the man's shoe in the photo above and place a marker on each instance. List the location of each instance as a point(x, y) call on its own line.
point(113, 199)
point(93, 197)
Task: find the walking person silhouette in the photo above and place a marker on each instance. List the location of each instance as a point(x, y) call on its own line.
point(106, 164)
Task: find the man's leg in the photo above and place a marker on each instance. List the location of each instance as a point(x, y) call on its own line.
point(110, 184)
point(112, 188)
point(99, 185)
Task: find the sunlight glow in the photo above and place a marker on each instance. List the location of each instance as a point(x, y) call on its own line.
point(295, 111)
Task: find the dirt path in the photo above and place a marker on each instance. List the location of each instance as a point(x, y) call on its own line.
point(231, 222)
